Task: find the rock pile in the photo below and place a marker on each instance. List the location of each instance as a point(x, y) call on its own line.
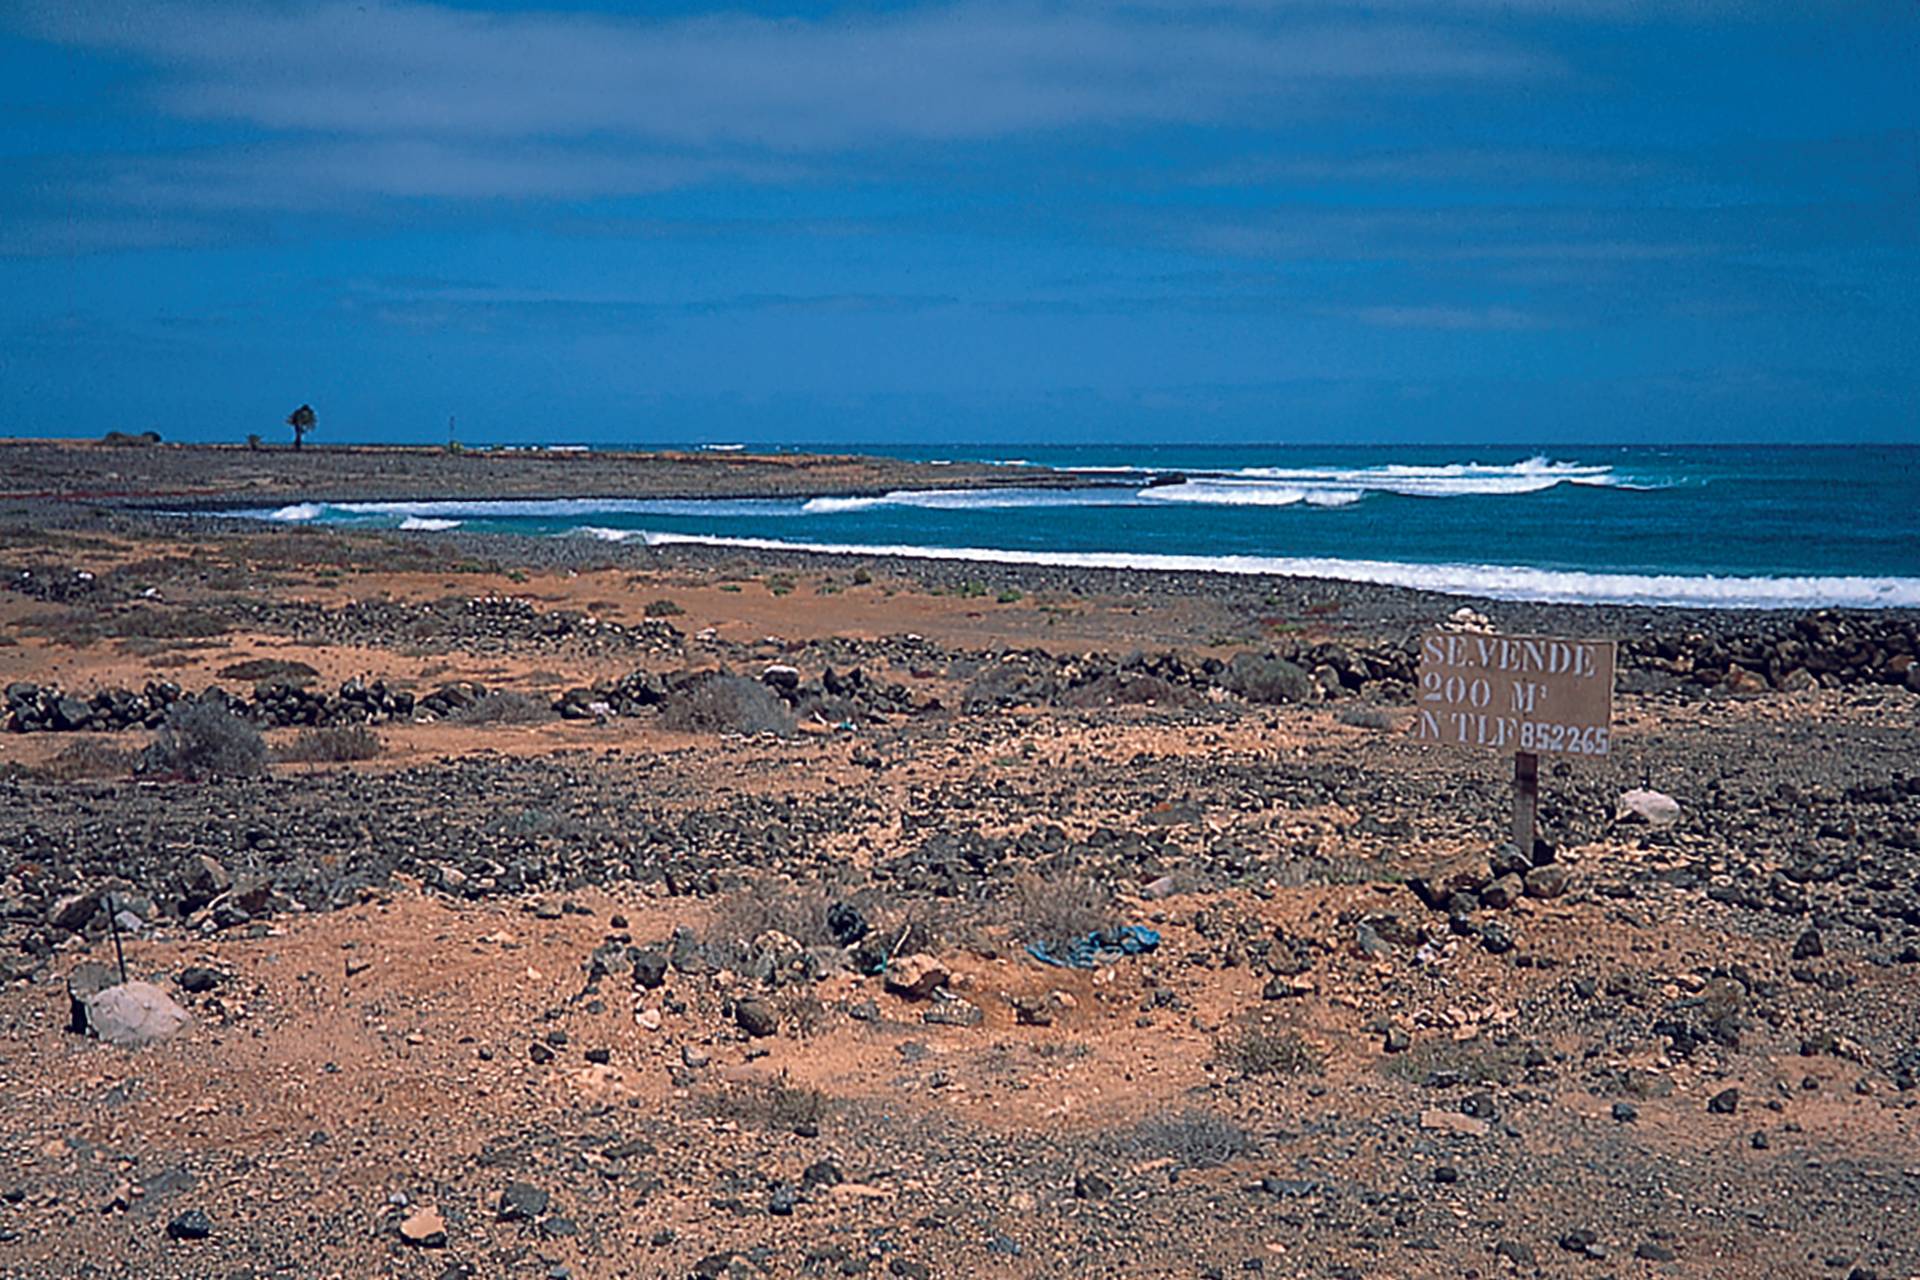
point(834, 696)
point(455, 622)
point(1828, 649)
point(35, 708)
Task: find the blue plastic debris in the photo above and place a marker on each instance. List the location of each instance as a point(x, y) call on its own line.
point(1101, 947)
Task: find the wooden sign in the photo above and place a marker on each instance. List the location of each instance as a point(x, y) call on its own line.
point(1525, 695)
point(1541, 695)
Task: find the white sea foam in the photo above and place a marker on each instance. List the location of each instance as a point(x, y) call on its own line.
point(1344, 486)
point(1447, 480)
point(567, 508)
point(971, 500)
point(1227, 493)
point(1500, 582)
point(428, 524)
point(297, 512)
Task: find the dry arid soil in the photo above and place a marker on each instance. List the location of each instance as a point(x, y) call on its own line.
point(542, 949)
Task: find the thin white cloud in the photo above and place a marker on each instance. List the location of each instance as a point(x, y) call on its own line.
point(1449, 317)
point(977, 70)
point(310, 174)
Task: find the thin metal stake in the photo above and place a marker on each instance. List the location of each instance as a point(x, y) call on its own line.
point(113, 924)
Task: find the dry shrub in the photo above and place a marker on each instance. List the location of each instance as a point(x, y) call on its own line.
point(204, 739)
point(801, 1012)
point(1364, 718)
point(1267, 679)
point(1124, 690)
point(1476, 1061)
point(87, 759)
point(772, 1105)
point(274, 670)
point(1056, 907)
point(663, 609)
point(764, 905)
point(1255, 1049)
point(167, 624)
point(333, 745)
point(728, 704)
point(1196, 1139)
point(502, 706)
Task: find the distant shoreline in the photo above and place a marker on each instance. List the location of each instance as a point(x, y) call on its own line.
point(205, 477)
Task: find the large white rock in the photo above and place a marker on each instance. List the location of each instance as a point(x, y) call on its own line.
point(133, 1014)
point(1655, 808)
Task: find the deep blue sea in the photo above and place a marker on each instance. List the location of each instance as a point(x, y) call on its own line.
point(1762, 526)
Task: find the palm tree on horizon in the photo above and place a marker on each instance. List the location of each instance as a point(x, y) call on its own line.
point(302, 420)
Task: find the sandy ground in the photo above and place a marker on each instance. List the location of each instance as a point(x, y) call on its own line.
point(1312, 1075)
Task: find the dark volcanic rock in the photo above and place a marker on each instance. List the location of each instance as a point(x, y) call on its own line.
point(521, 1202)
point(755, 1016)
point(190, 1225)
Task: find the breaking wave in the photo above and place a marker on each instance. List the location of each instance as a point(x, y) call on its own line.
point(299, 511)
point(1498, 582)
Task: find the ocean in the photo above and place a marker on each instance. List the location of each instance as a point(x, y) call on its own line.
point(1724, 526)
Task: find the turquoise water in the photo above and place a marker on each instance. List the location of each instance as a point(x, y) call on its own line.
point(1730, 526)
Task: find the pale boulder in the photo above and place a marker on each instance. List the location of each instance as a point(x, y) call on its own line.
point(134, 1014)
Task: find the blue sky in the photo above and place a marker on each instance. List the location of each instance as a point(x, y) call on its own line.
point(1246, 220)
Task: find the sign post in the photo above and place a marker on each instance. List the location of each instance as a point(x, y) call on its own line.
point(1526, 799)
point(1527, 695)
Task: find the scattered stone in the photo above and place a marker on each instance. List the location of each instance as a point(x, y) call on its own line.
point(198, 979)
point(1503, 892)
point(1809, 946)
point(1442, 1121)
point(649, 969)
point(194, 1224)
point(1549, 881)
point(916, 976)
point(1650, 808)
point(1091, 1186)
point(1653, 1251)
point(1479, 1105)
point(954, 1013)
point(134, 1014)
point(1625, 1112)
point(521, 1202)
point(1724, 1103)
point(755, 1016)
point(846, 924)
point(1579, 1240)
point(1030, 1011)
point(424, 1229)
point(73, 912)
